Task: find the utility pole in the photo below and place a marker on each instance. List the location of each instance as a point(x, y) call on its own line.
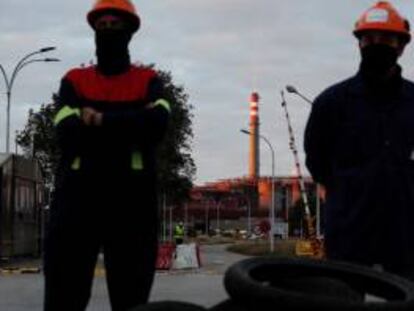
point(10, 81)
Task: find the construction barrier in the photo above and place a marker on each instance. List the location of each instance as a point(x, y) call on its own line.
point(165, 256)
point(187, 256)
point(304, 248)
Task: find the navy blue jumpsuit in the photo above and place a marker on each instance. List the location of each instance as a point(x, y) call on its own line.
point(359, 143)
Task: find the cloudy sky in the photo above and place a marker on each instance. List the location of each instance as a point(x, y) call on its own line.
point(220, 50)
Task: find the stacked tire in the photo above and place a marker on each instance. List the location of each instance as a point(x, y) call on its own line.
point(304, 284)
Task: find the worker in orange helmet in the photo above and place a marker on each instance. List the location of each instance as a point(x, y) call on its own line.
point(359, 144)
point(110, 119)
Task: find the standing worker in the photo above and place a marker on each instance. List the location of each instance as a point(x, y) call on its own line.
point(110, 119)
point(179, 233)
point(359, 144)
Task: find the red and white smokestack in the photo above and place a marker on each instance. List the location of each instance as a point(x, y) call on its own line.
point(254, 137)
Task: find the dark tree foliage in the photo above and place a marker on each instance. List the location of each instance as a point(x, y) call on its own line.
point(175, 162)
point(38, 139)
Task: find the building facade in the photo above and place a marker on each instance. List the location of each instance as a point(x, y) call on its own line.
point(22, 196)
point(244, 202)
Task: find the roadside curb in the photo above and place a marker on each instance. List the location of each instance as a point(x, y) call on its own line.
point(21, 270)
point(100, 272)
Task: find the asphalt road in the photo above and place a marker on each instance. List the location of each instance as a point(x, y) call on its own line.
point(202, 286)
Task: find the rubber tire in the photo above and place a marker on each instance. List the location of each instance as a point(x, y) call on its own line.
point(257, 283)
point(169, 306)
point(228, 305)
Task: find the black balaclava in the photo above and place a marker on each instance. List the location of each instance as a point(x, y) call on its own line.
point(378, 60)
point(112, 51)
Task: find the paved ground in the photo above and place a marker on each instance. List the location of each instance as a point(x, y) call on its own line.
point(203, 286)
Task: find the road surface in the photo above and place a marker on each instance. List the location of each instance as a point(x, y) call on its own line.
point(202, 286)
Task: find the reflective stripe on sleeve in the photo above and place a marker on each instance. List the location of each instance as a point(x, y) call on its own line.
point(164, 103)
point(65, 112)
point(136, 161)
point(76, 164)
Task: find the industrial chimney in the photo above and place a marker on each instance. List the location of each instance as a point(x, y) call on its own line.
point(254, 136)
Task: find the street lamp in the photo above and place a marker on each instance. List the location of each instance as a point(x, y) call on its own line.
point(272, 209)
point(291, 89)
point(9, 82)
point(249, 215)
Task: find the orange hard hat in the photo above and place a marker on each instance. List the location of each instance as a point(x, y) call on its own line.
point(124, 8)
point(383, 16)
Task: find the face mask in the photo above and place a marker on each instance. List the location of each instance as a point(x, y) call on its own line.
point(112, 50)
point(378, 59)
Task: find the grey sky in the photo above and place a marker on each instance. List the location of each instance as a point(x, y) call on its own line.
point(220, 50)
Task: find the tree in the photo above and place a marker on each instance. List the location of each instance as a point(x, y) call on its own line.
point(176, 165)
point(38, 139)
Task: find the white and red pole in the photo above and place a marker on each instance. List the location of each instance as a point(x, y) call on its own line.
point(254, 163)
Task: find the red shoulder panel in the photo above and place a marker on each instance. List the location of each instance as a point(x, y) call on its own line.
point(92, 85)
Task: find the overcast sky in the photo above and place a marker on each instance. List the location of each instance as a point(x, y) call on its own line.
point(220, 50)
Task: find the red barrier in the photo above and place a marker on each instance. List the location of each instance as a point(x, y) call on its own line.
point(165, 256)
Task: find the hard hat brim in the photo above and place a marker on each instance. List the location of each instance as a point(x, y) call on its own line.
point(406, 36)
point(133, 21)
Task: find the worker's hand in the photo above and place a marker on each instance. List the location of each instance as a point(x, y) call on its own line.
point(97, 119)
point(150, 105)
point(91, 117)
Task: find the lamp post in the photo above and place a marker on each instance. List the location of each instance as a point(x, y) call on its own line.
point(16, 150)
point(249, 216)
point(218, 219)
point(272, 208)
point(10, 81)
point(293, 90)
point(206, 217)
point(245, 196)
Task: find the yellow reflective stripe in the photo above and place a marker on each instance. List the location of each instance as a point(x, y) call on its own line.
point(136, 161)
point(164, 103)
point(76, 164)
point(64, 113)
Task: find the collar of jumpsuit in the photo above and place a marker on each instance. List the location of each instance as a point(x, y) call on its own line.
point(112, 37)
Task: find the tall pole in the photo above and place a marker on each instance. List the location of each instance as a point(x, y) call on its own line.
point(8, 121)
point(272, 207)
point(15, 143)
point(249, 218)
point(254, 128)
point(287, 210)
point(312, 233)
point(8, 92)
point(207, 207)
point(218, 218)
point(164, 210)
